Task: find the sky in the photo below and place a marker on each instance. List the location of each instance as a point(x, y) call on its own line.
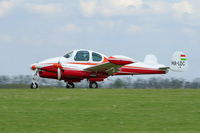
point(33, 30)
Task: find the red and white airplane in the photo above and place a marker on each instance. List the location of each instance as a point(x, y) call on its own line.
point(95, 67)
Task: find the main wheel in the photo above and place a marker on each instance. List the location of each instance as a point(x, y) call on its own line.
point(34, 86)
point(93, 85)
point(70, 85)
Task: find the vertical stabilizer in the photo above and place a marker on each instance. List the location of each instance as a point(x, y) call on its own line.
point(179, 62)
point(151, 60)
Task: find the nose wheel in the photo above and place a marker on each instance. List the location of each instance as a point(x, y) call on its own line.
point(93, 85)
point(34, 86)
point(70, 85)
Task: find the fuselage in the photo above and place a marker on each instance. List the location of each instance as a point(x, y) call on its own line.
point(73, 67)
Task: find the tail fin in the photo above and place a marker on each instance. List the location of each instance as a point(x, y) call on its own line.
point(151, 60)
point(179, 62)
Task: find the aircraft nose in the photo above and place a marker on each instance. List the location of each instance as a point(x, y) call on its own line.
point(46, 63)
point(33, 66)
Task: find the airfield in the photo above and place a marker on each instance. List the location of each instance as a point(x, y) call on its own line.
point(99, 111)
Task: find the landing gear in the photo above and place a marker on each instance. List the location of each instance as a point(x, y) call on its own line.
point(70, 85)
point(34, 84)
point(93, 84)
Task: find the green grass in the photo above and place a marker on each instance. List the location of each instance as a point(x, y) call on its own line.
point(99, 111)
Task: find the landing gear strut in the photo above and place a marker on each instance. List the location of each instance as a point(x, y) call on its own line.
point(70, 85)
point(93, 84)
point(34, 84)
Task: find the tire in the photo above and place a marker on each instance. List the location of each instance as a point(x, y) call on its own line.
point(34, 86)
point(70, 85)
point(93, 85)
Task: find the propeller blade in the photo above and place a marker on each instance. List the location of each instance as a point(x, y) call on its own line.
point(59, 70)
point(59, 73)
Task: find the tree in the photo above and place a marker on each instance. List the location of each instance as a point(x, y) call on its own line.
point(4, 80)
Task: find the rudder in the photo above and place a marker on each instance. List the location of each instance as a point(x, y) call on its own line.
point(179, 62)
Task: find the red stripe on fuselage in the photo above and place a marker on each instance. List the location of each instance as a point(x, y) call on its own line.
point(129, 70)
point(133, 67)
point(78, 63)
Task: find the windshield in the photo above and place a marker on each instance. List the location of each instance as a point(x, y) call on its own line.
point(68, 55)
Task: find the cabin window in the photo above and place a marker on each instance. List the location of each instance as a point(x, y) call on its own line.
point(82, 56)
point(68, 55)
point(96, 57)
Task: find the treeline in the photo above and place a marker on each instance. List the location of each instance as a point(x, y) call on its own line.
point(23, 81)
point(157, 83)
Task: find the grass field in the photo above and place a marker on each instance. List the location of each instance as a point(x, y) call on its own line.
point(99, 111)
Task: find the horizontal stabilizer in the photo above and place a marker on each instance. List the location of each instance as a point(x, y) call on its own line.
point(164, 68)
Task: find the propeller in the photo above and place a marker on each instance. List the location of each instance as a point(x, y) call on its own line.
point(59, 67)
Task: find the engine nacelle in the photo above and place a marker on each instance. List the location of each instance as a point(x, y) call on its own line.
point(45, 74)
point(74, 74)
point(120, 60)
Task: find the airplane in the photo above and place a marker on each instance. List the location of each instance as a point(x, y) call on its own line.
point(78, 65)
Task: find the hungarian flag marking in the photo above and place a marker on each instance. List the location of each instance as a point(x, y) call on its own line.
point(183, 57)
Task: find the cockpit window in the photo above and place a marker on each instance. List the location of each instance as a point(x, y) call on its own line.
point(96, 57)
point(82, 56)
point(68, 55)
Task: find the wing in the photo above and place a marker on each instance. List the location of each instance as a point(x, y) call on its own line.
point(108, 67)
point(112, 66)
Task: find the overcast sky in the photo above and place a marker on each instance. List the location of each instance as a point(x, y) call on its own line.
point(33, 30)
